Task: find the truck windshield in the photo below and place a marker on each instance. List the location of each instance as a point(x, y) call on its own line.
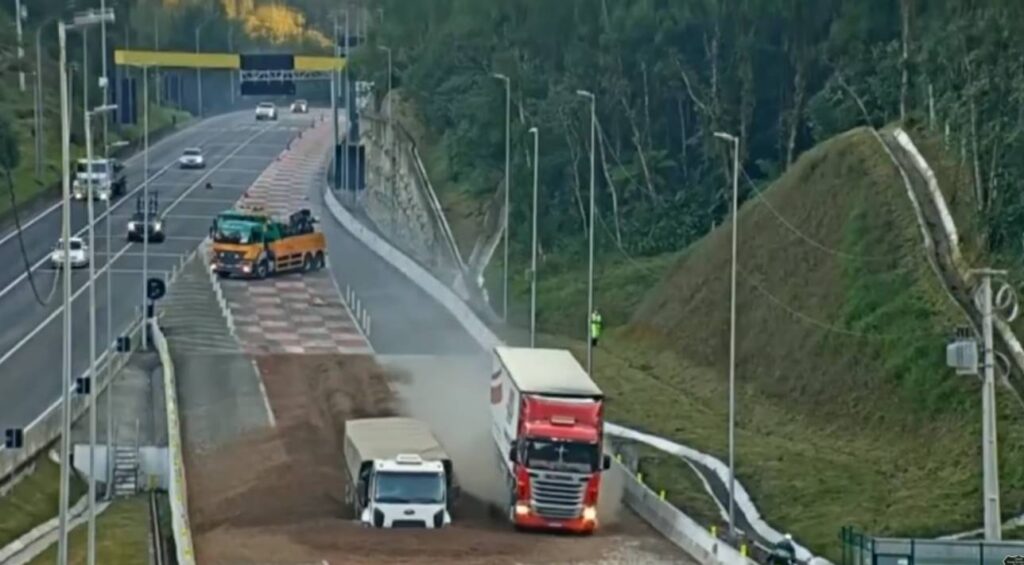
point(567, 456)
point(96, 167)
point(234, 231)
point(409, 488)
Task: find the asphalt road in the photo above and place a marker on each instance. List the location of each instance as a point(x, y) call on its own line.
point(237, 149)
point(405, 319)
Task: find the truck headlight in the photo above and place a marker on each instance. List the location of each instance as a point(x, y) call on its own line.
point(522, 509)
point(132, 226)
point(158, 226)
point(589, 514)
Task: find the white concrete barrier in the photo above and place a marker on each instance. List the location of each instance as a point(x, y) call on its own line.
point(672, 522)
point(178, 490)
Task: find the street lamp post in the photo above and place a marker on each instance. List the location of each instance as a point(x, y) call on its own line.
point(102, 110)
point(533, 244)
point(334, 110)
point(65, 459)
point(145, 204)
point(81, 21)
point(732, 331)
point(590, 225)
point(508, 189)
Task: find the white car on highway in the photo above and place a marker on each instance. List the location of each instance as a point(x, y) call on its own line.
point(266, 111)
point(192, 158)
point(79, 254)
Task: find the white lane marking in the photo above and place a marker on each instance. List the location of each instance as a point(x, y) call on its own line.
point(100, 217)
point(122, 251)
point(57, 205)
point(263, 391)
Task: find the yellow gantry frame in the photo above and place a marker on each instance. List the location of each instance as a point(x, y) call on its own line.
point(184, 59)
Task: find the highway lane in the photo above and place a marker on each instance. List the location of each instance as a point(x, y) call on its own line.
point(42, 229)
point(30, 338)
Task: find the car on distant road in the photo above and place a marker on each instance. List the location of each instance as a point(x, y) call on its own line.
point(266, 111)
point(300, 107)
point(106, 176)
point(192, 158)
point(79, 254)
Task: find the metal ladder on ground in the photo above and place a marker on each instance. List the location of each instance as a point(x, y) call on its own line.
point(126, 467)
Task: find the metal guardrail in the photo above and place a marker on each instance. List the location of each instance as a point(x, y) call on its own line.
point(177, 489)
point(667, 519)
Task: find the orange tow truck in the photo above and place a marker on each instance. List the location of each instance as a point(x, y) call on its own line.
point(252, 244)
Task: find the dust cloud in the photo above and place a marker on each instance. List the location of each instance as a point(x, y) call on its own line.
point(451, 394)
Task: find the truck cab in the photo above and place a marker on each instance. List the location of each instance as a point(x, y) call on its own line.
point(405, 492)
point(105, 175)
point(399, 475)
point(251, 244)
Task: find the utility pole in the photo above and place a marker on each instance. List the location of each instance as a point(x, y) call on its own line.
point(508, 189)
point(40, 146)
point(391, 118)
point(732, 332)
point(990, 459)
point(533, 244)
point(18, 17)
point(231, 49)
point(590, 226)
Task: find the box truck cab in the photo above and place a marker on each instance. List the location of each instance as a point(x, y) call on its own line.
point(398, 474)
point(547, 423)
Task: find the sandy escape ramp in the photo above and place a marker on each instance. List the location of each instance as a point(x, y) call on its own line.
point(276, 496)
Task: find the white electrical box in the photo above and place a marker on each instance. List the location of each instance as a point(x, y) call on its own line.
point(962, 355)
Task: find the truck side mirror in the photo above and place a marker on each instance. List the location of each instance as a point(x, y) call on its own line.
point(512, 451)
point(606, 462)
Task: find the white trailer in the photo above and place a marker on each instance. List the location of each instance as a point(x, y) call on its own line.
point(399, 475)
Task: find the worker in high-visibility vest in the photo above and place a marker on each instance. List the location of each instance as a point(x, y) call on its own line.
point(596, 325)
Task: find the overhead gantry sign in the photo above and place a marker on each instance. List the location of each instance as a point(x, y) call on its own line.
point(259, 74)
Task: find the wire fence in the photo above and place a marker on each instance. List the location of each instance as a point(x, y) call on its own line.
point(861, 549)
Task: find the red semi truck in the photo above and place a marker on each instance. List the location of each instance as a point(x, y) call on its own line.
point(547, 420)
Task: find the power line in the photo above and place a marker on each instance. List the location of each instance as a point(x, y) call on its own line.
point(807, 318)
point(21, 246)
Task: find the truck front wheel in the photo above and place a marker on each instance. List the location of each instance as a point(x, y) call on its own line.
point(262, 269)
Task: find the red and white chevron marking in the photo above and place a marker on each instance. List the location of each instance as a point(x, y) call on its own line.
point(296, 313)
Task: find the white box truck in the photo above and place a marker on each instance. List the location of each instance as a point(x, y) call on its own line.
point(399, 475)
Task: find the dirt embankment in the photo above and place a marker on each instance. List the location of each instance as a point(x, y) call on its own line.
point(277, 496)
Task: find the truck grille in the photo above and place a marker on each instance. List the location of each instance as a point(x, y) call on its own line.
point(557, 495)
point(228, 257)
point(408, 524)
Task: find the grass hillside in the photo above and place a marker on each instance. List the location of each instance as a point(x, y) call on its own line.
point(847, 414)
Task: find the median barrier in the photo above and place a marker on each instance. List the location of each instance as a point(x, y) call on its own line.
point(667, 519)
point(177, 491)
